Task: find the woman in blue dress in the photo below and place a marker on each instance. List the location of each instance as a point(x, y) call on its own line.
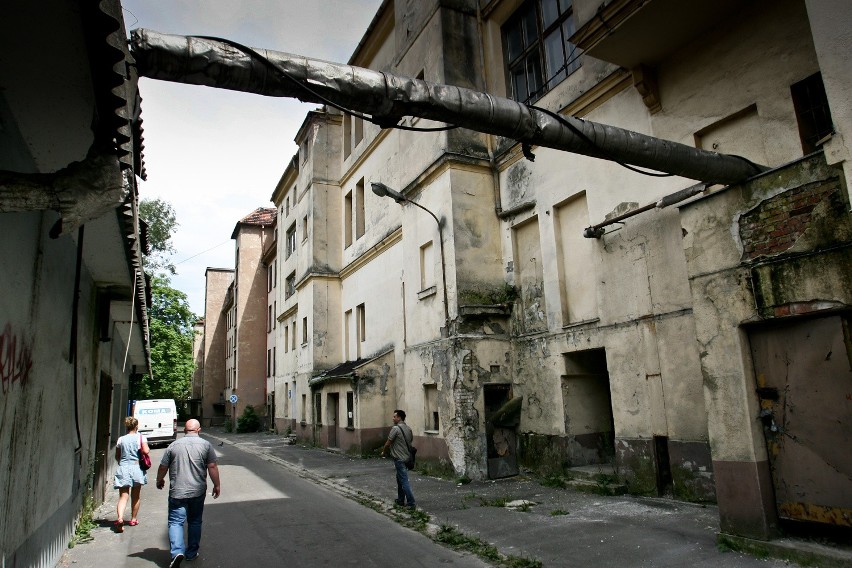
point(129, 477)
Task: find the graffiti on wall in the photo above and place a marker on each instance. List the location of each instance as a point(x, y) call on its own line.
point(16, 359)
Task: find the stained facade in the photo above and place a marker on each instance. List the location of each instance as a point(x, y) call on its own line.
point(533, 308)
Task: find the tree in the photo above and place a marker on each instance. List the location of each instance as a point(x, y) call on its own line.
point(171, 320)
point(172, 334)
point(160, 218)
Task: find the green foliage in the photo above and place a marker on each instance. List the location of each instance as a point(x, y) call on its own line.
point(83, 530)
point(172, 335)
point(558, 512)
point(229, 426)
point(160, 218)
point(554, 480)
point(249, 421)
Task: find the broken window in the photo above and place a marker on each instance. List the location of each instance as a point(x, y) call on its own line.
point(812, 112)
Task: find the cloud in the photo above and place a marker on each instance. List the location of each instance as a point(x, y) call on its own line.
point(216, 155)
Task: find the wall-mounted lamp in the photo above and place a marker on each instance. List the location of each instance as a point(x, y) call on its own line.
point(382, 190)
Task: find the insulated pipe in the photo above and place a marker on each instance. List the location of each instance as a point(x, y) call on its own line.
point(387, 98)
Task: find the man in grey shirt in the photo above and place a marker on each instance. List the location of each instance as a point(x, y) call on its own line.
point(188, 461)
point(399, 440)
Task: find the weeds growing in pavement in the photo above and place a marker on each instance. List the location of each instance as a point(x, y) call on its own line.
point(457, 540)
point(558, 512)
point(83, 530)
point(498, 502)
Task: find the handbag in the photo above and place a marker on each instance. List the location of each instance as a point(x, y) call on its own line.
point(412, 452)
point(144, 459)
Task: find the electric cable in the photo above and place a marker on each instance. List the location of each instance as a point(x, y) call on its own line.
point(282, 73)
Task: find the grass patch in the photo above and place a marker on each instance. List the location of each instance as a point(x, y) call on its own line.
point(555, 480)
point(497, 502)
point(441, 469)
point(558, 512)
point(83, 530)
point(457, 540)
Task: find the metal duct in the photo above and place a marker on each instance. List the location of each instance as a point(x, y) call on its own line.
point(387, 98)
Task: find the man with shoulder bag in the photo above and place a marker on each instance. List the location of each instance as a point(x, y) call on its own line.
point(399, 441)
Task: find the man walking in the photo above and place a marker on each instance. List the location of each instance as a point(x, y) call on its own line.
point(187, 461)
point(399, 441)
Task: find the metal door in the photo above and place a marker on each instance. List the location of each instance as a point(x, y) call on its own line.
point(804, 382)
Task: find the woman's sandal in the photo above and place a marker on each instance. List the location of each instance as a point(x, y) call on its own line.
point(119, 526)
point(133, 523)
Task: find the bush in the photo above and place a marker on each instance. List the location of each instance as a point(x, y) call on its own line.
point(249, 421)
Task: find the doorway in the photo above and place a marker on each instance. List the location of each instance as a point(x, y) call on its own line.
point(587, 407)
point(502, 417)
point(803, 371)
point(102, 441)
point(332, 409)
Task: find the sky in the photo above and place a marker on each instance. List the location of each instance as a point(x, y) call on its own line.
point(216, 155)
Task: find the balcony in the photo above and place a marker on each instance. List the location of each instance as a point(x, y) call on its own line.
point(630, 33)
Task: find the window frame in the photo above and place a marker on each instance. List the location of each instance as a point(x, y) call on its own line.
point(562, 23)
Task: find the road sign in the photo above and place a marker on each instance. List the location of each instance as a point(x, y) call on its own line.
point(233, 399)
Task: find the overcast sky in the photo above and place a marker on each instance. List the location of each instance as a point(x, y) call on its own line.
point(216, 155)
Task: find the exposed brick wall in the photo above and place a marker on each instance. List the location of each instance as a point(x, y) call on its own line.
point(776, 224)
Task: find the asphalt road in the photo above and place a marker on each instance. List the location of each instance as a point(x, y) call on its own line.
point(266, 516)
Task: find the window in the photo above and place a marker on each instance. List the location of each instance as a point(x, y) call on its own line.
point(347, 220)
point(305, 150)
point(274, 311)
point(287, 210)
point(430, 398)
point(812, 112)
point(275, 273)
point(269, 320)
point(359, 209)
point(290, 285)
point(347, 325)
point(427, 266)
point(274, 366)
point(304, 228)
point(357, 130)
point(318, 409)
point(286, 338)
point(291, 240)
point(304, 330)
point(304, 406)
point(538, 53)
point(347, 135)
point(269, 278)
point(350, 409)
point(268, 362)
point(361, 322)
point(293, 337)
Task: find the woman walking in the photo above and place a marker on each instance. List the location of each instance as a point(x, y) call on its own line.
point(129, 477)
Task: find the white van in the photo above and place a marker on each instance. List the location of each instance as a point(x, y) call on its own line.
point(157, 419)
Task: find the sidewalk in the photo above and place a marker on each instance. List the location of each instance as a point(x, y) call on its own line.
point(559, 527)
point(518, 516)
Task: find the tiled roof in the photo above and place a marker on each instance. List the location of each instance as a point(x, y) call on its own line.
point(260, 216)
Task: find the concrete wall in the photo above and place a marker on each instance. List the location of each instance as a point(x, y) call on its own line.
point(48, 468)
point(215, 341)
point(250, 299)
point(730, 291)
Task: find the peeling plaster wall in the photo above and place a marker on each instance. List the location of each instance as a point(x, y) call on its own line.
point(44, 479)
point(810, 275)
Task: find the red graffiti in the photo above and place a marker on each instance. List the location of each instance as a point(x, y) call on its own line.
point(16, 359)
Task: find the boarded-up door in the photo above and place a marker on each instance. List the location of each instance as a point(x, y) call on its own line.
point(804, 380)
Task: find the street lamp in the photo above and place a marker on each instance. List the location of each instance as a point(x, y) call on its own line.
point(382, 190)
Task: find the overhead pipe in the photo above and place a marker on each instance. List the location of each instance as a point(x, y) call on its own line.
point(387, 98)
